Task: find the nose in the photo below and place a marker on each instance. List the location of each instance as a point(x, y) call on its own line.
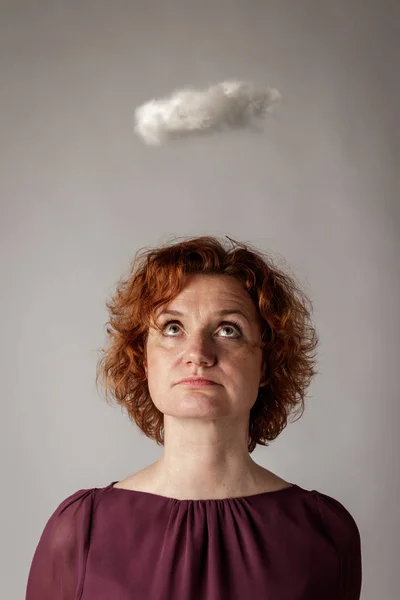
point(199, 350)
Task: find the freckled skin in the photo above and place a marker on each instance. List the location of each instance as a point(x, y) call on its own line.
point(199, 343)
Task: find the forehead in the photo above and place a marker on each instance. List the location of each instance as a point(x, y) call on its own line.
point(207, 291)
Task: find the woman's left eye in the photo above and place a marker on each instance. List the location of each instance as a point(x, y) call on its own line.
point(231, 324)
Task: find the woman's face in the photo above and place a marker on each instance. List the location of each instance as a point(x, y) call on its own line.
point(202, 343)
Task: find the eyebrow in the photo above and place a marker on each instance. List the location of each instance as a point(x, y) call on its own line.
point(220, 313)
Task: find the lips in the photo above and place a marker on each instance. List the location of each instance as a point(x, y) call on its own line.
point(197, 381)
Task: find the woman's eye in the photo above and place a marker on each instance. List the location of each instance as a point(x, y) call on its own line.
point(225, 325)
point(167, 325)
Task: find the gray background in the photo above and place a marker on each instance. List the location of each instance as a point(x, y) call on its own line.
point(80, 194)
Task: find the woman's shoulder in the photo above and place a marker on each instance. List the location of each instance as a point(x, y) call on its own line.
point(69, 518)
point(339, 526)
point(330, 507)
point(335, 518)
point(79, 499)
point(74, 500)
point(60, 554)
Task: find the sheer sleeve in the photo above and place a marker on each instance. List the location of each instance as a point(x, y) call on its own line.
point(58, 563)
point(344, 533)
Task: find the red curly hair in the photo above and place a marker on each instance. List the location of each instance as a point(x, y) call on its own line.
point(157, 276)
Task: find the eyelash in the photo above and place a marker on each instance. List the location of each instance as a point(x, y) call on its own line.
point(229, 323)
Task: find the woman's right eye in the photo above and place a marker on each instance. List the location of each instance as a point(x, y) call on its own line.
point(170, 323)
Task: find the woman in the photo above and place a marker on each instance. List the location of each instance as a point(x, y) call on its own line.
point(205, 521)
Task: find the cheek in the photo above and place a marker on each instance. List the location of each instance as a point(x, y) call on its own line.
point(159, 362)
point(161, 353)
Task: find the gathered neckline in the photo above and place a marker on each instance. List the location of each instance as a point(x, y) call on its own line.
point(292, 486)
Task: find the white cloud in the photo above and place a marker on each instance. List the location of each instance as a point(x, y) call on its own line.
point(226, 105)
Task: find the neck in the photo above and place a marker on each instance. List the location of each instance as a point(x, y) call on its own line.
point(200, 472)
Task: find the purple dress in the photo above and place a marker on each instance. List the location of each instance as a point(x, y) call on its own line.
point(115, 544)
